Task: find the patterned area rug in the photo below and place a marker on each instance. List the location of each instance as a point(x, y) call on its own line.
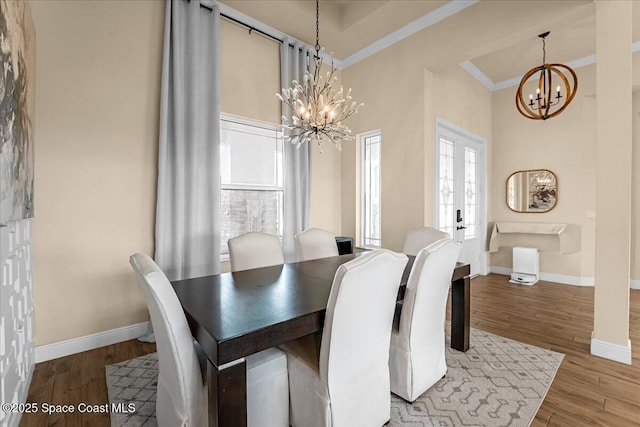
point(134, 381)
point(498, 382)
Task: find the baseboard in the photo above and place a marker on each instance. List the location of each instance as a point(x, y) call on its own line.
point(611, 351)
point(568, 280)
point(89, 342)
point(550, 277)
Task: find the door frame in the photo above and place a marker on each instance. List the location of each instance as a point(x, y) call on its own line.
point(481, 163)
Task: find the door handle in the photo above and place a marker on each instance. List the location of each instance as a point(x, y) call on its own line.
point(460, 227)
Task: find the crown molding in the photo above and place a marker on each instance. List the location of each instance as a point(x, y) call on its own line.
point(471, 68)
point(476, 72)
point(431, 18)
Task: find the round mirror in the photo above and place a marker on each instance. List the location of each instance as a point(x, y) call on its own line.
point(532, 191)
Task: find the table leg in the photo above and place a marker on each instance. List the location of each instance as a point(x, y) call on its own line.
point(227, 389)
point(460, 313)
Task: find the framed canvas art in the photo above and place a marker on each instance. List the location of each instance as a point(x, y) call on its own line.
point(17, 105)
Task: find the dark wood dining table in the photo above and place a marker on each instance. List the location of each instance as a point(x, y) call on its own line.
point(234, 315)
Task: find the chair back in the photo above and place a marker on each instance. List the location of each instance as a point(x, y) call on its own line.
point(254, 250)
point(316, 243)
point(415, 240)
point(354, 354)
point(425, 299)
point(180, 398)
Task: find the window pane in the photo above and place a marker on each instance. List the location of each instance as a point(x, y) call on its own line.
point(371, 190)
point(251, 164)
point(470, 191)
point(250, 210)
point(250, 155)
point(446, 186)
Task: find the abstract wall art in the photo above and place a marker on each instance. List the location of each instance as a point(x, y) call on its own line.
point(17, 105)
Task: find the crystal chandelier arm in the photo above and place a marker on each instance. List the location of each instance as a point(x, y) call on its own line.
point(317, 108)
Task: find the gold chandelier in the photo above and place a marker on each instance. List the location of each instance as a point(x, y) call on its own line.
point(317, 108)
point(545, 105)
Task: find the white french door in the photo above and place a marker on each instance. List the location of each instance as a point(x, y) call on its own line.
point(460, 204)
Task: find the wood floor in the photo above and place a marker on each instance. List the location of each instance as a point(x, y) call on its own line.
point(587, 390)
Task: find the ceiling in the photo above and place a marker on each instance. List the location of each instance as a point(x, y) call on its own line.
point(498, 37)
point(346, 26)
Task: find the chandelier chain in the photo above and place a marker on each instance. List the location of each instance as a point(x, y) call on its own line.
point(318, 28)
point(544, 51)
point(315, 107)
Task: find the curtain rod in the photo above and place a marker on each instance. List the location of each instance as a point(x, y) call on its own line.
point(251, 29)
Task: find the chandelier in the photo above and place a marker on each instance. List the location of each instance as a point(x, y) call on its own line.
point(541, 179)
point(545, 104)
point(317, 108)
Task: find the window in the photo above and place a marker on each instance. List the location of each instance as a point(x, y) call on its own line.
point(371, 152)
point(446, 191)
point(251, 169)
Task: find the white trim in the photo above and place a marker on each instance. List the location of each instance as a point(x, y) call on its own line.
point(477, 73)
point(514, 81)
point(550, 277)
point(561, 278)
point(471, 68)
point(431, 18)
point(611, 351)
point(234, 118)
point(89, 342)
point(481, 165)
point(361, 141)
point(567, 280)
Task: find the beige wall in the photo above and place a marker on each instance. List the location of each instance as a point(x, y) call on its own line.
point(250, 74)
point(614, 170)
point(97, 104)
point(403, 98)
point(635, 187)
point(567, 146)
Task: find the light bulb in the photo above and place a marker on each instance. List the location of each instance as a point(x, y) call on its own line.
point(558, 89)
point(326, 108)
point(538, 91)
point(530, 96)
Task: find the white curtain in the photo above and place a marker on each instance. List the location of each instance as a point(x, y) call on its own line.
point(294, 60)
point(188, 206)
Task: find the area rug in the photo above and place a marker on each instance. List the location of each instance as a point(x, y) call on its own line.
point(498, 382)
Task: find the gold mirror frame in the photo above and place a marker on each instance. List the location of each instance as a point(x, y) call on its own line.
point(532, 191)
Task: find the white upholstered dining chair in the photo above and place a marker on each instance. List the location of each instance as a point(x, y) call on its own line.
point(254, 250)
point(182, 396)
point(316, 243)
point(347, 383)
point(415, 240)
point(417, 355)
